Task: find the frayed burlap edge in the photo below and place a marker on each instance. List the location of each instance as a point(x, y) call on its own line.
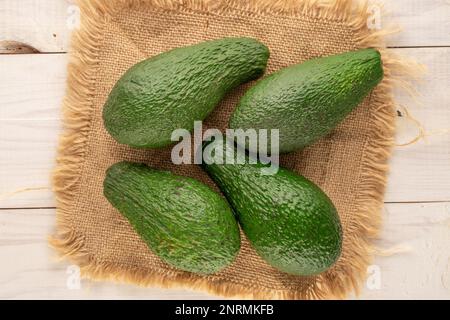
point(77, 107)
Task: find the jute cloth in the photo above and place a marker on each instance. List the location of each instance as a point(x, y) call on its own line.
point(349, 164)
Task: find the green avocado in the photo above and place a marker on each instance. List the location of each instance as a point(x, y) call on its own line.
point(176, 88)
point(307, 101)
point(182, 221)
point(290, 222)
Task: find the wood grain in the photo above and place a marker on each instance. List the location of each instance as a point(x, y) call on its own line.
point(421, 172)
point(47, 24)
point(424, 23)
point(413, 258)
point(30, 269)
point(415, 238)
point(42, 24)
point(31, 91)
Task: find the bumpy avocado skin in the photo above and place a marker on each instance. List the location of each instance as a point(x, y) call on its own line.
point(307, 101)
point(172, 90)
point(290, 222)
point(183, 221)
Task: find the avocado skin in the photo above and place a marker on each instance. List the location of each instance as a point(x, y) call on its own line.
point(183, 221)
point(172, 90)
point(307, 101)
point(290, 222)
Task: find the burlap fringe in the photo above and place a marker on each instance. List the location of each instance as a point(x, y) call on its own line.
point(349, 273)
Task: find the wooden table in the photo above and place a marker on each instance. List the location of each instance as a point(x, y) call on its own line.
point(414, 256)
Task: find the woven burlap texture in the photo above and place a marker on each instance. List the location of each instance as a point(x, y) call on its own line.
point(350, 164)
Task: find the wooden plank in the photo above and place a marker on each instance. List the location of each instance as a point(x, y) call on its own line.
point(31, 270)
point(417, 232)
point(32, 87)
point(46, 24)
point(31, 91)
point(421, 172)
point(413, 260)
point(423, 22)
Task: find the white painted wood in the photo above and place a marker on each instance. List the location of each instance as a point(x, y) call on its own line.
point(31, 91)
point(423, 22)
point(32, 87)
point(421, 269)
point(421, 172)
point(46, 24)
point(31, 270)
point(42, 24)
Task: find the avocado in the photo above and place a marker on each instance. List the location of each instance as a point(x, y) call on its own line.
point(290, 222)
point(183, 221)
point(174, 89)
point(307, 101)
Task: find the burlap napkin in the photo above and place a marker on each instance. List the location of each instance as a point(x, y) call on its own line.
point(350, 164)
